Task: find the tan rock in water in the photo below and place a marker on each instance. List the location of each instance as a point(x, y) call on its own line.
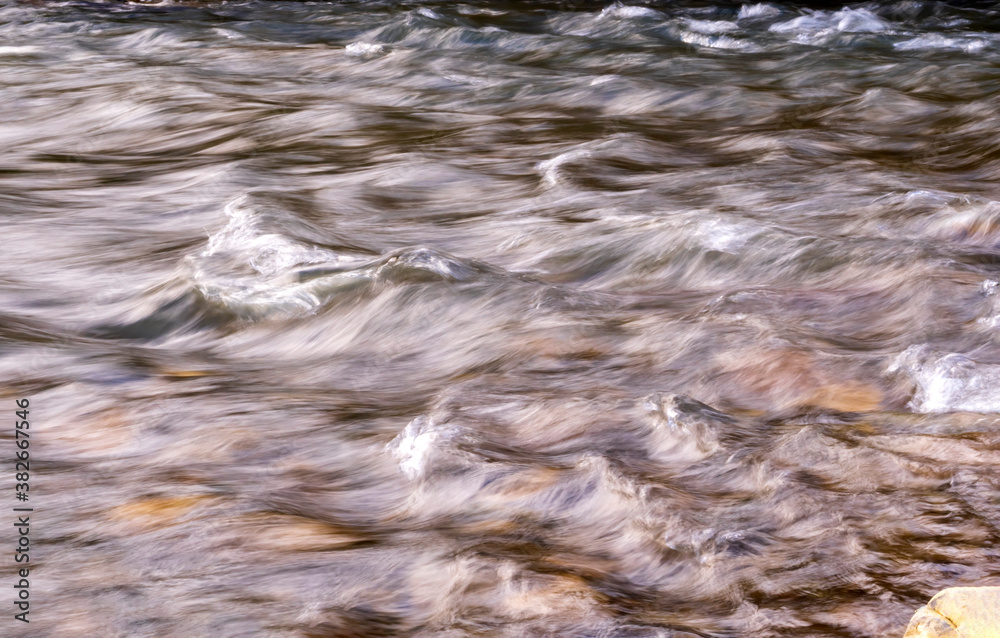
point(959, 612)
point(786, 378)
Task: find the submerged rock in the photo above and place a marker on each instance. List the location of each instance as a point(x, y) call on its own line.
point(958, 612)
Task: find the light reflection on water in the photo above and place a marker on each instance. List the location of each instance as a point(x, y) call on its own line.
point(386, 319)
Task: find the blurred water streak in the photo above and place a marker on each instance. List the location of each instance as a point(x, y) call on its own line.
point(502, 319)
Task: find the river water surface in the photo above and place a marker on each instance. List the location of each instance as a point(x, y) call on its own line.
point(356, 319)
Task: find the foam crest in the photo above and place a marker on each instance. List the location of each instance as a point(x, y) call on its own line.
point(426, 261)
point(760, 10)
point(417, 445)
point(949, 383)
point(412, 447)
point(725, 236)
point(365, 50)
point(711, 27)
point(937, 41)
point(245, 237)
point(555, 170)
point(846, 21)
point(256, 271)
point(682, 426)
point(252, 269)
point(551, 169)
point(715, 41)
point(619, 10)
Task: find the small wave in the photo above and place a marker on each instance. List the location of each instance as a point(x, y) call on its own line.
point(417, 444)
point(18, 50)
point(617, 21)
point(152, 40)
point(619, 10)
point(365, 50)
point(761, 10)
point(723, 236)
point(250, 268)
point(166, 311)
point(967, 220)
point(405, 264)
point(555, 170)
point(949, 383)
point(682, 426)
point(711, 27)
point(991, 318)
point(937, 41)
point(716, 41)
point(846, 21)
point(256, 271)
point(246, 238)
point(430, 13)
point(551, 169)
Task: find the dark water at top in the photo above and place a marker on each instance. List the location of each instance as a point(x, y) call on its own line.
point(388, 319)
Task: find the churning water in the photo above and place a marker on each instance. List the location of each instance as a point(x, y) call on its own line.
point(353, 319)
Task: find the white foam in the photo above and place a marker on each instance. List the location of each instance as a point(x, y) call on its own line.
point(604, 79)
point(991, 318)
point(723, 236)
point(22, 50)
point(268, 253)
point(716, 41)
point(711, 27)
point(846, 20)
point(926, 196)
point(364, 49)
point(679, 432)
point(938, 41)
point(618, 10)
point(760, 10)
point(257, 272)
point(253, 271)
point(550, 168)
point(950, 383)
point(414, 446)
point(429, 13)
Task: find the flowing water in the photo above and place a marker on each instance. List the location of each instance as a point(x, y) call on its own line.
point(353, 319)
